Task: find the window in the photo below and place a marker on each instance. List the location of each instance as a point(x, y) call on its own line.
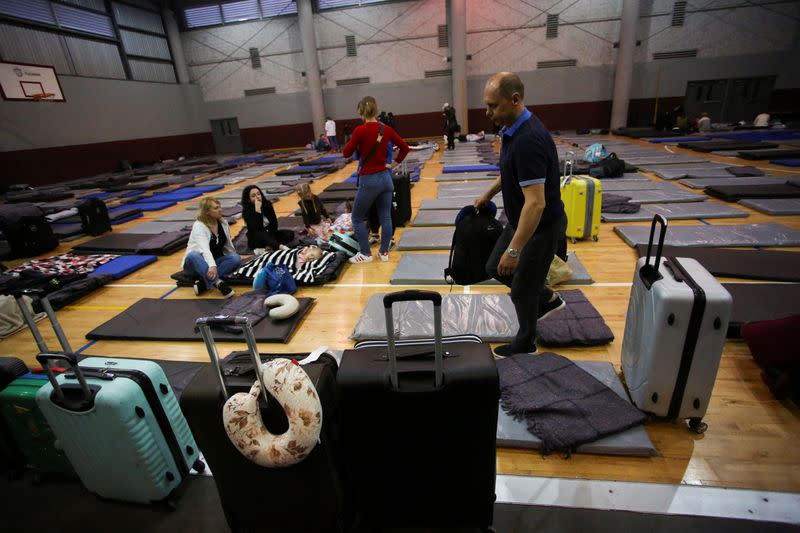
point(197, 17)
point(330, 4)
point(78, 19)
point(273, 8)
point(36, 10)
point(239, 11)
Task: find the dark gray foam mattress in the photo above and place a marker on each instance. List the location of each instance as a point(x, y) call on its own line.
point(677, 211)
point(717, 236)
point(774, 206)
point(428, 269)
point(173, 320)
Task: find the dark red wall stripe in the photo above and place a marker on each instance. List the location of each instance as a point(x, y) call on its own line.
point(53, 165)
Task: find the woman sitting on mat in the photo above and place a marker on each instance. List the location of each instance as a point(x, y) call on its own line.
point(210, 255)
point(375, 184)
point(315, 216)
point(262, 223)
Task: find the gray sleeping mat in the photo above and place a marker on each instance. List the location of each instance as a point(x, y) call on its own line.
point(465, 176)
point(663, 196)
point(680, 173)
point(722, 235)
point(635, 185)
point(235, 194)
point(426, 239)
point(155, 227)
point(178, 216)
point(227, 180)
point(224, 202)
point(632, 442)
point(428, 269)
point(702, 183)
point(678, 211)
point(453, 203)
point(440, 217)
point(662, 159)
point(774, 206)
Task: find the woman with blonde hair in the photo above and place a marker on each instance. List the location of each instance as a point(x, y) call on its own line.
point(210, 255)
point(375, 185)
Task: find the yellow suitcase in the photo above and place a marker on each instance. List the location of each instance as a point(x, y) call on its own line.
point(582, 197)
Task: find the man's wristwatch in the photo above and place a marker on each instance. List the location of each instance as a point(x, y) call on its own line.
point(512, 252)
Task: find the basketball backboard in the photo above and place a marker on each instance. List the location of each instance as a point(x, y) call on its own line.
point(22, 81)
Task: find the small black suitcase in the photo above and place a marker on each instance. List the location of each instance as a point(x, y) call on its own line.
point(94, 216)
point(305, 497)
point(419, 428)
point(401, 199)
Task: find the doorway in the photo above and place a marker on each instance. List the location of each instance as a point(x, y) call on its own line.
point(227, 139)
point(730, 100)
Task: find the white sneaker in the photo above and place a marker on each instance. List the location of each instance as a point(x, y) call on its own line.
point(384, 257)
point(259, 251)
point(361, 258)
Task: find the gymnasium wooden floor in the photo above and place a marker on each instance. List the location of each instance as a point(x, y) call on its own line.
point(751, 441)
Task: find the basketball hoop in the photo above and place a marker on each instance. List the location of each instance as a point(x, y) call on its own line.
point(43, 97)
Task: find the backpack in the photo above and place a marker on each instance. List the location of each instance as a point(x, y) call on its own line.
point(610, 167)
point(94, 216)
point(473, 242)
point(27, 231)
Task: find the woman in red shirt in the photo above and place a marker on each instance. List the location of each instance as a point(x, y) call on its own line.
point(375, 184)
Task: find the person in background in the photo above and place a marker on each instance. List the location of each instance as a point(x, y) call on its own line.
point(530, 182)
point(330, 131)
point(382, 117)
point(704, 122)
point(322, 144)
point(262, 223)
point(347, 129)
point(451, 126)
point(391, 120)
point(375, 183)
point(210, 255)
point(761, 120)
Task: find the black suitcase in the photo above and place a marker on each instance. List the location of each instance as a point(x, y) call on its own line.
point(419, 428)
point(26, 229)
point(401, 199)
point(94, 216)
point(305, 497)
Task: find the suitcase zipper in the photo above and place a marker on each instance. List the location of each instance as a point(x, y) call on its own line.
point(692, 333)
point(150, 394)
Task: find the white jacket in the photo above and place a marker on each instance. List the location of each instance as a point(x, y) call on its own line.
point(199, 242)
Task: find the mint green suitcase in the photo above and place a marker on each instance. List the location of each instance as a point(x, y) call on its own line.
point(120, 426)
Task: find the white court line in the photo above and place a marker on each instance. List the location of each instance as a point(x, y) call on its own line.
point(667, 149)
point(659, 498)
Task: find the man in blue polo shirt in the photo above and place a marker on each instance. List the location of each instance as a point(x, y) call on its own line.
point(530, 182)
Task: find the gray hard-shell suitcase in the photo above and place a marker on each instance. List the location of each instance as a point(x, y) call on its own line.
point(674, 334)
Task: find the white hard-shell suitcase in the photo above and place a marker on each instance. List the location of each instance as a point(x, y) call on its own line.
point(674, 334)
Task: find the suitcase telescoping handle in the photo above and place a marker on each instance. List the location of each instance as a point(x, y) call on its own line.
point(48, 309)
point(72, 361)
point(649, 273)
point(205, 324)
point(569, 163)
point(411, 296)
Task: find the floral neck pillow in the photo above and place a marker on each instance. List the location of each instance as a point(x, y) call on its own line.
point(285, 380)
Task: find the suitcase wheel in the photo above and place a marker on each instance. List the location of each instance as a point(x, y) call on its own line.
point(573, 240)
point(595, 238)
point(697, 425)
point(199, 466)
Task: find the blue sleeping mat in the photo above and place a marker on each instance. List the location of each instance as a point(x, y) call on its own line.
point(786, 162)
point(470, 168)
point(328, 159)
point(100, 195)
point(179, 196)
point(126, 219)
point(674, 140)
point(204, 188)
point(145, 205)
point(124, 265)
point(128, 194)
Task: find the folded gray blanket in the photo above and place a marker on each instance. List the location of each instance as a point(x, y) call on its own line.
point(562, 404)
point(616, 203)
